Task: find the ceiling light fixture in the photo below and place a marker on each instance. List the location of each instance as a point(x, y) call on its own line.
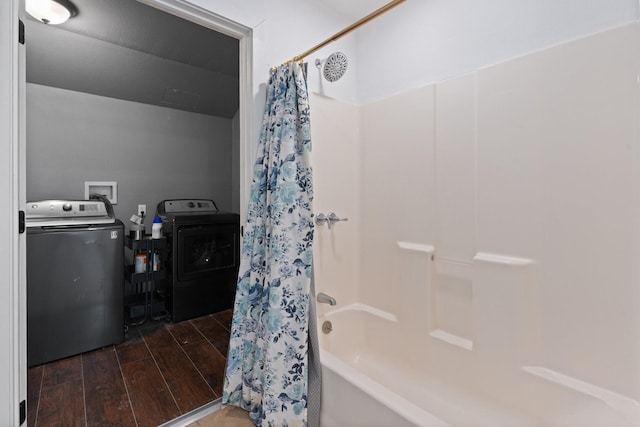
point(51, 11)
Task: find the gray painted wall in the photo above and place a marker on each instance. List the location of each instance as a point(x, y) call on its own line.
point(153, 153)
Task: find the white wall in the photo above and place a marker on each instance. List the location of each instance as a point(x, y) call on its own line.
point(418, 42)
point(557, 181)
point(337, 186)
point(422, 42)
point(154, 153)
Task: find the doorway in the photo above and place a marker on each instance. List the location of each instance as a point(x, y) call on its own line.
point(243, 35)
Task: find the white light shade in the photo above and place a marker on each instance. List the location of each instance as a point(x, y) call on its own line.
point(47, 11)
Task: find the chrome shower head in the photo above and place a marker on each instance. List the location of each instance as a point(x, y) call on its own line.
point(334, 67)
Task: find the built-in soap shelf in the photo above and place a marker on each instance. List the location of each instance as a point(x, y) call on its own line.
point(454, 268)
point(473, 304)
point(452, 301)
point(440, 314)
point(452, 339)
point(504, 260)
point(417, 247)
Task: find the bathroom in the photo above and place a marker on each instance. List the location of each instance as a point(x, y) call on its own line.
point(485, 154)
point(491, 188)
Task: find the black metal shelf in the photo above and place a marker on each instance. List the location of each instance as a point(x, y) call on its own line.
point(147, 243)
point(144, 281)
point(148, 276)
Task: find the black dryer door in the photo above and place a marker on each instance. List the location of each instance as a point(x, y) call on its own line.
point(202, 249)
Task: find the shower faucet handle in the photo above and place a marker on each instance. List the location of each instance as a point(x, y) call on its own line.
point(329, 219)
point(333, 218)
point(321, 219)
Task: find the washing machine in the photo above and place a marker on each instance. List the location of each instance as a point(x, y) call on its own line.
point(75, 278)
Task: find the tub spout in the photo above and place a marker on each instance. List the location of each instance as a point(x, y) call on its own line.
point(325, 299)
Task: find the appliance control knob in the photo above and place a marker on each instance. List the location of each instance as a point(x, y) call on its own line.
point(66, 207)
point(191, 204)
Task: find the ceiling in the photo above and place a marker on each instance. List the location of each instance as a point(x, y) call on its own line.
point(127, 50)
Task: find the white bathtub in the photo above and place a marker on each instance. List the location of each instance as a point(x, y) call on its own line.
point(368, 380)
point(350, 396)
point(352, 399)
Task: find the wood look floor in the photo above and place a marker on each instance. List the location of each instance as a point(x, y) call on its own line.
point(160, 372)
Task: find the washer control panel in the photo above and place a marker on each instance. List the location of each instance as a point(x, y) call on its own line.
point(67, 212)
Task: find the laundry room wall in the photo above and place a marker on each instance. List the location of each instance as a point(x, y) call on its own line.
point(153, 153)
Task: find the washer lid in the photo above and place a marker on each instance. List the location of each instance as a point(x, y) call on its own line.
point(48, 213)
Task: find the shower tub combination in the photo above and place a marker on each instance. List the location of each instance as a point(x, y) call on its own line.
point(374, 375)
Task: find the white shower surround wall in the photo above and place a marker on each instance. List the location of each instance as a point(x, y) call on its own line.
point(491, 250)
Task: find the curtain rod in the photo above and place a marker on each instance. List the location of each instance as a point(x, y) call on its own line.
point(349, 29)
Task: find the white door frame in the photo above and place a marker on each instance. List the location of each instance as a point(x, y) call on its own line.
point(13, 358)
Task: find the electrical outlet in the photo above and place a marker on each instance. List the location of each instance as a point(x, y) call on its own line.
point(142, 210)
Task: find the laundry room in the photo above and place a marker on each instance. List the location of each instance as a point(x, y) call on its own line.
point(121, 93)
point(121, 100)
point(133, 103)
point(141, 107)
point(114, 96)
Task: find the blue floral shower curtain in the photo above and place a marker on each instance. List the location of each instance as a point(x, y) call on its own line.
point(267, 364)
